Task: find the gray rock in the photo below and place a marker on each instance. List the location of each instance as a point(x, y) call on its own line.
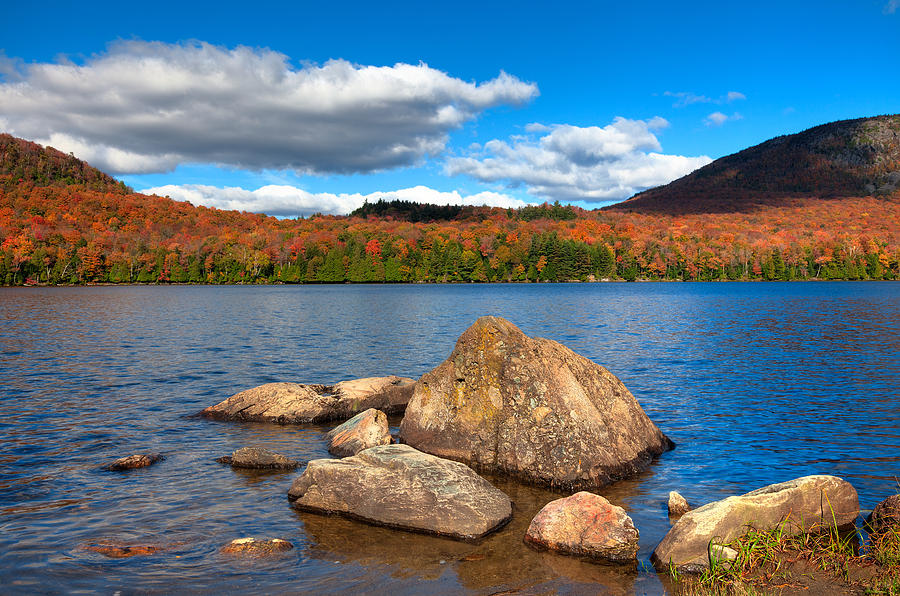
point(139, 460)
point(400, 487)
point(532, 408)
point(586, 525)
point(366, 429)
point(809, 503)
point(296, 403)
point(678, 505)
point(258, 458)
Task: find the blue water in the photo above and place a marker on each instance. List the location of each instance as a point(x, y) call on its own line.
point(755, 383)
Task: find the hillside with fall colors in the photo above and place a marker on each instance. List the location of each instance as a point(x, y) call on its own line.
point(63, 222)
point(849, 158)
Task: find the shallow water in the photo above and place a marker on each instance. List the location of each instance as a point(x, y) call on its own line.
point(755, 383)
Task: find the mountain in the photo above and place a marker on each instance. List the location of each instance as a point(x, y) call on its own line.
point(45, 166)
point(849, 158)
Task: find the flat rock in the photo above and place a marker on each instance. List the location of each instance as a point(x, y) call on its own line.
point(886, 514)
point(139, 460)
point(400, 487)
point(532, 408)
point(677, 504)
point(297, 403)
point(258, 458)
point(257, 546)
point(366, 429)
point(809, 503)
point(586, 525)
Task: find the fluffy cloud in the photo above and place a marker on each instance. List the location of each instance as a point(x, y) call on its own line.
point(290, 201)
point(718, 118)
point(573, 163)
point(147, 106)
point(891, 7)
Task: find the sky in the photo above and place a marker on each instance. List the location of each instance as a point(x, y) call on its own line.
point(304, 107)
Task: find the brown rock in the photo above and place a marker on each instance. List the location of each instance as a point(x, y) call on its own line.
point(586, 525)
point(397, 486)
point(885, 515)
point(532, 408)
point(366, 429)
point(122, 551)
point(296, 403)
point(678, 505)
point(809, 503)
point(257, 547)
point(258, 458)
point(140, 460)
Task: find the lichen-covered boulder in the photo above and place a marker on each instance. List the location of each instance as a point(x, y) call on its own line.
point(366, 429)
point(586, 525)
point(530, 407)
point(138, 460)
point(297, 403)
point(400, 487)
point(258, 458)
point(810, 503)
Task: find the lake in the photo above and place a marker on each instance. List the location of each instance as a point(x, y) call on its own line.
point(756, 383)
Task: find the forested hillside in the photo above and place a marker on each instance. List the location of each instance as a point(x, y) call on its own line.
point(62, 222)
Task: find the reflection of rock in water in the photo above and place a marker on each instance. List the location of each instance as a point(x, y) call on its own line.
point(502, 561)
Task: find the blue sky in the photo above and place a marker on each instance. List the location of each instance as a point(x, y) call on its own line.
point(291, 109)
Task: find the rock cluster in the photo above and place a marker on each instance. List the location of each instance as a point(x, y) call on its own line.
point(530, 407)
point(296, 403)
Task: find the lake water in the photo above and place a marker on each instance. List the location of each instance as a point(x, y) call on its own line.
point(755, 383)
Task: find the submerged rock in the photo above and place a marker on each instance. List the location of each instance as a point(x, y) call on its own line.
point(886, 515)
point(366, 429)
point(296, 403)
point(587, 525)
point(258, 458)
point(257, 547)
point(532, 408)
point(809, 503)
point(139, 460)
point(122, 551)
point(400, 487)
point(677, 505)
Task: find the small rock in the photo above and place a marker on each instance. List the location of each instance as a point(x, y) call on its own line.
point(140, 460)
point(255, 547)
point(366, 429)
point(400, 487)
point(678, 505)
point(122, 551)
point(885, 515)
point(258, 458)
point(585, 524)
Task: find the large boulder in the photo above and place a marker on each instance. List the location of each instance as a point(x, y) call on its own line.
point(366, 429)
point(532, 408)
point(400, 487)
point(810, 503)
point(296, 403)
point(586, 525)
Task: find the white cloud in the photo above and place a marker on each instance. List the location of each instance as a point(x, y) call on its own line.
point(148, 106)
point(574, 163)
point(686, 98)
point(290, 201)
point(891, 7)
point(718, 118)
